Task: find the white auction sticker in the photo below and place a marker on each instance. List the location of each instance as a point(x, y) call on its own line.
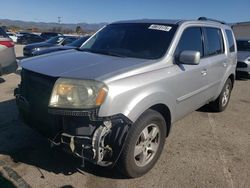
point(160, 27)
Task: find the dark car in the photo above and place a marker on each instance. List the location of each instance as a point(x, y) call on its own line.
point(29, 50)
point(48, 35)
point(243, 63)
point(29, 39)
point(76, 44)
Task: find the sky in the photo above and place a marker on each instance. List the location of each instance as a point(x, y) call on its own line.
point(96, 11)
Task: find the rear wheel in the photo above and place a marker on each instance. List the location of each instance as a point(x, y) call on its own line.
point(222, 101)
point(144, 144)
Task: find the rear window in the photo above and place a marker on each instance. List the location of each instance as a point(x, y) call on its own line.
point(3, 34)
point(49, 34)
point(230, 40)
point(55, 40)
point(214, 42)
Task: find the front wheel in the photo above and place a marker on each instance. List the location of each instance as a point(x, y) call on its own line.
point(222, 101)
point(144, 144)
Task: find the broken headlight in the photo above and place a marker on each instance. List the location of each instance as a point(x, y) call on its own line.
point(78, 94)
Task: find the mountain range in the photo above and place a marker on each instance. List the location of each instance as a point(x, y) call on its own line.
point(49, 26)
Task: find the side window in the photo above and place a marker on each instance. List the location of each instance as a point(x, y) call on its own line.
point(191, 39)
point(213, 41)
point(230, 40)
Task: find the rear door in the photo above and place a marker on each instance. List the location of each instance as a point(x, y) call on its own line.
point(216, 57)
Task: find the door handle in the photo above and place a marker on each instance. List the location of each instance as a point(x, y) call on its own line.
point(204, 72)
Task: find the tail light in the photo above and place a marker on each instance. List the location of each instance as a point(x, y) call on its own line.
point(7, 43)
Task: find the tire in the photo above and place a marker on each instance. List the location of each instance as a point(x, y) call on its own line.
point(220, 104)
point(148, 150)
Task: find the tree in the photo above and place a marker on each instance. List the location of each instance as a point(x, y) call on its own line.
point(78, 29)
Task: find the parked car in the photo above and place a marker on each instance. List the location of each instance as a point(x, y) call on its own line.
point(48, 35)
point(243, 64)
point(29, 39)
point(21, 33)
point(7, 55)
point(74, 45)
point(29, 50)
point(116, 98)
point(12, 36)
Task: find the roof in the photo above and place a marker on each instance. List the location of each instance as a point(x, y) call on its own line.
point(159, 21)
point(169, 21)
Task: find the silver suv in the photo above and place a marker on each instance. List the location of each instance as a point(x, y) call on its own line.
point(113, 101)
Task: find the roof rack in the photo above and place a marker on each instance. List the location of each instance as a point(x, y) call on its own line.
point(210, 19)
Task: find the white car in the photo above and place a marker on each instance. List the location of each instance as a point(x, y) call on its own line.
point(12, 36)
point(243, 64)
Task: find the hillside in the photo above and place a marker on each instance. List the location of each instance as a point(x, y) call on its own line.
point(24, 25)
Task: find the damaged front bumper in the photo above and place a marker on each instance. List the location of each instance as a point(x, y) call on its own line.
point(99, 140)
point(81, 132)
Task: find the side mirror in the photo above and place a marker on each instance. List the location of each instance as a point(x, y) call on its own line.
point(190, 57)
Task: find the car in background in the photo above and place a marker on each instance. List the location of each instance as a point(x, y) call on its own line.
point(74, 45)
point(29, 50)
point(29, 39)
point(21, 33)
point(8, 62)
point(12, 36)
point(48, 35)
point(243, 63)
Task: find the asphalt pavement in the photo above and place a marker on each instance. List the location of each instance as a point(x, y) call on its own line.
point(204, 149)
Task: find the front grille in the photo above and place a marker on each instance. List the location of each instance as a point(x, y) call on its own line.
point(36, 89)
point(241, 65)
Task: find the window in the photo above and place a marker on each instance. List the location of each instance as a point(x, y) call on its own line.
point(230, 40)
point(214, 42)
point(191, 39)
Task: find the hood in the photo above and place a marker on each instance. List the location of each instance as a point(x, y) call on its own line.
point(82, 65)
point(39, 44)
point(243, 55)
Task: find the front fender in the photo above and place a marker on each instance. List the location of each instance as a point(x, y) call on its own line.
point(133, 103)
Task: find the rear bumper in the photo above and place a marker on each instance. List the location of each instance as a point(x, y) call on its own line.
point(243, 69)
point(8, 69)
point(243, 73)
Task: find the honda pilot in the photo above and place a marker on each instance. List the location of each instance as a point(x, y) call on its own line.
point(113, 100)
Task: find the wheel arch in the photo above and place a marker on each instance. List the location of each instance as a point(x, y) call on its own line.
point(165, 112)
point(232, 78)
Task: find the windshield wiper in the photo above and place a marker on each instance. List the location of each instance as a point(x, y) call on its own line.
point(100, 52)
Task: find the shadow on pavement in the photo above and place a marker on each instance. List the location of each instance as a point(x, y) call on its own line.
point(5, 183)
point(206, 109)
point(2, 80)
point(24, 145)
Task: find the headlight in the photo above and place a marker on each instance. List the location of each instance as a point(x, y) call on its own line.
point(39, 48)
point(78, 94)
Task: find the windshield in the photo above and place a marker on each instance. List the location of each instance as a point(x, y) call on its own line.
point(138, 40)
point(243, 45)
point(55, 40)
point(77, 43)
